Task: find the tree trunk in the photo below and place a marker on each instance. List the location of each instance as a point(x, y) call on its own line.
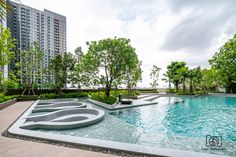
point(169, 86)
point(229, 86)
point(176, 87)
point(107, 92)
point(204, 88)
point(191, 86)
point(184, 86)
point(129, 89)
point(23, 92)
point(79, 87)
point(28, 88)
point(58, 90)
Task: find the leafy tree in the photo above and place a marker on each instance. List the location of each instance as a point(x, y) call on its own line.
point(79, 54)
point(184, 72)
point(154, 75)
point(194, 76)
point(30, 67)
point(109, 60)
point(225, 62)
point(167, 78)
point(7, 45)
point(60, 66)
point(78, 76)
point(211, 80)
point(174, 70)
point(133, 76)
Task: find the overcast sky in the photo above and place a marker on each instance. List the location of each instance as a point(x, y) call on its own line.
point(161, 30)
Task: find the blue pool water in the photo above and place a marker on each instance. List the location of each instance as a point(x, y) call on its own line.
point(183, 125)
point(195, 117)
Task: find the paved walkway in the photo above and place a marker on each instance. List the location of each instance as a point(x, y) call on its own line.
point(19, 148)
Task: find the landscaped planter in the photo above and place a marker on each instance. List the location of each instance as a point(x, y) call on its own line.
point(101, 104)
point(129, 97)
point(7, 103)
point(27, 97)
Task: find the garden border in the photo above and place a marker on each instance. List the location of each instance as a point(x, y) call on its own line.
point(7, 103)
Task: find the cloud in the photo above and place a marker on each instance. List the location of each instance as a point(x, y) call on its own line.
point(203, 23)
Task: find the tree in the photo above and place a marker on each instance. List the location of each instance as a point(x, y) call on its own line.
point(194, 76)
point(174, 71)
point(7, 45)
point(60, 67)
point(133, 76)
point(211, 80)
point(225, 62)
point(167, 78)
point(78, 75)
point(154, 75)
point(30, 67)
point(79, 54)
point(183, 71)
point(109, 60)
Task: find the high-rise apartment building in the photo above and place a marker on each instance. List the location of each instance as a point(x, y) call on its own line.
point(48, 29)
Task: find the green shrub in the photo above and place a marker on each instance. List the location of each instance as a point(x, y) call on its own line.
point(116, 93)
point(170, 90)
point(100, 96)
point(180, 92)
point(27, 97)
point(148, 91)
point(6, 98)
point(63, 95)
point(48, 96)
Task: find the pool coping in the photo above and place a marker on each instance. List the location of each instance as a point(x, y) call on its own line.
point(118, 106)
point(15, 129)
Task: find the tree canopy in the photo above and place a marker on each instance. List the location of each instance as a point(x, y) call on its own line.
point(31, 67)
point(109, 61)
point(175, 72)
point(7, 46)
point(225, 62)
point(60, 67)
point(78, 76)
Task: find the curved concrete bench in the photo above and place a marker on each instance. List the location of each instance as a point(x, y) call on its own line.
point(64, 119)
point(51, 109)
point(61, 104)
point(58, 106)
point(51, 101)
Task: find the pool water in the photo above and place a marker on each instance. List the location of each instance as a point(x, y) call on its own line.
point(182, 125)
point(195, 117)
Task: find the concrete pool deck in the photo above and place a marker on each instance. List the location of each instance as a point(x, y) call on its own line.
point(10, 147)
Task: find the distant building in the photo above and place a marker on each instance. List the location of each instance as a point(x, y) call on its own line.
point(48, 29)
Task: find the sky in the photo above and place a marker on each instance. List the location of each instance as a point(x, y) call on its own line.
point(161, 30)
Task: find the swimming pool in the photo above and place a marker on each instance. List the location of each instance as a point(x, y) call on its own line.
point(183, 125)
